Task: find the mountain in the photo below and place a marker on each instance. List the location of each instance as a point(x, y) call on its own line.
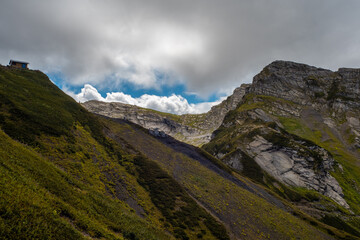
point(195, 129)
point(299, 125)
point(295, 130)
point(69, 174)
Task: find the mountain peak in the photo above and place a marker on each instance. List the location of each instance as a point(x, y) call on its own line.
point(306, 84)
point(290, 64)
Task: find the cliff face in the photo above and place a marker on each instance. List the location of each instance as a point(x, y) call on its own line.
point(195, 129)
point(309, 85)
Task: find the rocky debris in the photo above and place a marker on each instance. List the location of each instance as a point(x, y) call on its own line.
point(291, 166)
point(333, 97)
point(260, 114)
point(157, 133)
point(292, 161)
point(349, 86)
point(354, 122)
point(233, 160)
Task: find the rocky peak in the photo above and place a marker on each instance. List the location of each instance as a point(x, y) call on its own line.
point(293, 81)
point(308, 85)
point(232, 101)
point(214, 117)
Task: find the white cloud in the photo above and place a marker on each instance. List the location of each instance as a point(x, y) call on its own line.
point(173, 104)
point(87, 93)
point(208, 45)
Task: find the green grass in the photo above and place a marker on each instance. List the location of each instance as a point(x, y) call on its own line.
point(340, 224)
point(41, 201)
point(178, 208)
point(68, 180)
point(30, 105)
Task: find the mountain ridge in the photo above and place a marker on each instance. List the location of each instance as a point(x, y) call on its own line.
point(191, 128)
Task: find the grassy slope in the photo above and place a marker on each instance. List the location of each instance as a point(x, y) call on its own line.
point(38, 200)
point(228, 138)
point(70, 181)
point(244, 213)
point(35, 112)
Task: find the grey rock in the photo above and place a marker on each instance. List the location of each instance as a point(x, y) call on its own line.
point(157, 133)
point(234, 161)
point(310, 86)
point(295, 169)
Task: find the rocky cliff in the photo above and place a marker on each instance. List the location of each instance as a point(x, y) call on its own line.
point(195, 129)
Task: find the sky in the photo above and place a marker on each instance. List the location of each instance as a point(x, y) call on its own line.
point(173, 56)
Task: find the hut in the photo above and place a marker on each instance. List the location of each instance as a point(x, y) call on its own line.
point(18, 64)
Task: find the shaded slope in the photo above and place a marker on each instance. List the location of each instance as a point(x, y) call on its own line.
point(246, 215)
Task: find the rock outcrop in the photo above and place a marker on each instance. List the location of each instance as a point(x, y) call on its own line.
point(291, 166)
point(307, 85)
point(294, 161)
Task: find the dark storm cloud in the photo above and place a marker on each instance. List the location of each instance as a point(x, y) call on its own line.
point(209, 45)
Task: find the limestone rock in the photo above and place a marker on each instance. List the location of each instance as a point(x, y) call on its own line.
point(291, 167)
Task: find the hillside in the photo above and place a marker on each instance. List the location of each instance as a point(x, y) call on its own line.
point(63, 178)
point(66, 173)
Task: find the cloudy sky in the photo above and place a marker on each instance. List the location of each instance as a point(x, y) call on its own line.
point(174, 56)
